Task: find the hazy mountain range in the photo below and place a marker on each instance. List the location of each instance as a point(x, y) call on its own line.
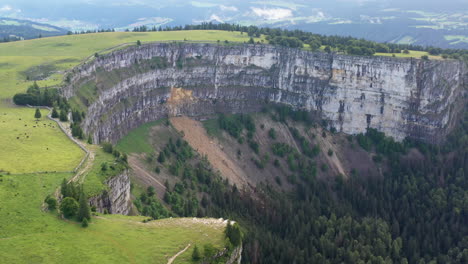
point(418, 22)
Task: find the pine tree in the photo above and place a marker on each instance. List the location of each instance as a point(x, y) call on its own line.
point(63, 116)
point(64, 189)
point(38, 114)
point(161, 157)
point(84, 212)
point(84, 223)
point(196, 253)
point(54, 113)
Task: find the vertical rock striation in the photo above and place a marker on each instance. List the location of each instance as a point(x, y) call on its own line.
point(400, 97)
point(116, 200)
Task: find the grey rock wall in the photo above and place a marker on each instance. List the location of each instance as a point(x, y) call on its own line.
point(400, 97)
point(117, 198)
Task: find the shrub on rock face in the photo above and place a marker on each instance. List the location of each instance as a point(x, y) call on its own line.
point(69, 207)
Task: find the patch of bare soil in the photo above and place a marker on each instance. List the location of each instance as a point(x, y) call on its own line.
point(196, 136)
point(333, 161)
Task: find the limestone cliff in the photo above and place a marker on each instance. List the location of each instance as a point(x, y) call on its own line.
point(401, 97)
point(116, 200)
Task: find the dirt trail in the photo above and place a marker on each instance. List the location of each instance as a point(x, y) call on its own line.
point(195, 134)
point(143, 175)
point(85, 164)
point(178, 253)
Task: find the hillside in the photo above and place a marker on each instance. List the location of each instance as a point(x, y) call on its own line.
point(13, 29)
point(201, 127)
point(36, 156)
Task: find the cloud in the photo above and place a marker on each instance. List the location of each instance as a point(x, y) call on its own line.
point(6, 8)
point(272, 13)
point(216, 18)
point(228, 8)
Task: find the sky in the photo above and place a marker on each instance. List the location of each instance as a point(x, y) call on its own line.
point(397, 18)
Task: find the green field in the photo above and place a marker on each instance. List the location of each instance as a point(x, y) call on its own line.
point(136, 141)
point(411, 54)
point(29, 235)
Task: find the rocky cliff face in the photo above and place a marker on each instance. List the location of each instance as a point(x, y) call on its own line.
point(116, 200)
point(401, 97)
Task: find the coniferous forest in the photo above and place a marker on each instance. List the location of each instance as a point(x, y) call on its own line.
point(416, 213)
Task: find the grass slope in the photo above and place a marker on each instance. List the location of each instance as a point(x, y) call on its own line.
point(136, 141)
point(28, 235)
point(412, 54)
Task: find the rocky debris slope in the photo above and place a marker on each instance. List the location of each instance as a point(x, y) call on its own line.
point(401, 97)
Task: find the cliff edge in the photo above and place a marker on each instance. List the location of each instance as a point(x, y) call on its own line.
point(401, 97)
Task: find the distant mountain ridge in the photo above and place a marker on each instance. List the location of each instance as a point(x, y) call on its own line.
point(12, 29)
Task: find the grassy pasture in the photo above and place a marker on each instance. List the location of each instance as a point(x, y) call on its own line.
point(31, 146)
point(412, 54)
point(28, 235)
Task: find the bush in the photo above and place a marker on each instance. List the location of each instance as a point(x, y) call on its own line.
point(55, 114)
point(330, 152)
point(272, 133)
point(196, 254)
point(209, 251)
point(84, 223)
point(69, 207)
point(254, 146)
point(107, 147)
point(281, 149)
point(51, 202)
point(104, 166)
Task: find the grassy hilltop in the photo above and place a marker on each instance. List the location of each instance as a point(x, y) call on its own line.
point(29, 235)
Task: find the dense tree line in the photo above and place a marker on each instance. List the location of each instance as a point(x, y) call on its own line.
point(35, 96)
point(297, 38)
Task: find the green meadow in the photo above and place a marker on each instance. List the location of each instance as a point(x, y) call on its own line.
point(35, 156)
point(412, 54)
point(29, 235)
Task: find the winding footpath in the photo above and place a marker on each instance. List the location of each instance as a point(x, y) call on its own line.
point(178, 254)
point(87, 161)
